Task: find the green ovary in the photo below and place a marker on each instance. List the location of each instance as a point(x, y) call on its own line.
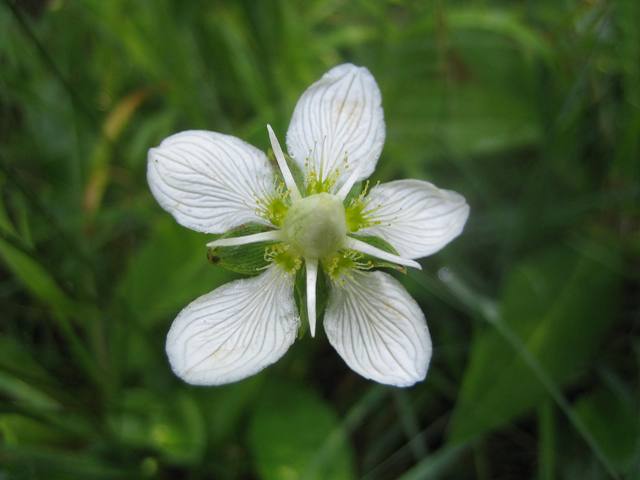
point(315, 226)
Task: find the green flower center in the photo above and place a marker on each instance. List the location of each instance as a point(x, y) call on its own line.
point(315, 226)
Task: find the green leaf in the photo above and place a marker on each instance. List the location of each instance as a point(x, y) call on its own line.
point(30, 461)
point(34, 277)
point(17, 429)
point(294, 434)
point(23, 393)
point(6, 226)
point(173, 426)
point(560, 303)
point(244, 259)
point(503, 22)
point(167, 272)
point(547, 441)
point(436, 463)
point(614, 423)
point(225, 407)
point(44, 287)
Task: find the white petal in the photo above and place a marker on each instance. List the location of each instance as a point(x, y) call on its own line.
point(234, 331)
point(416, 217)
point(378, 329)
point(208, 181)
point(340, 116)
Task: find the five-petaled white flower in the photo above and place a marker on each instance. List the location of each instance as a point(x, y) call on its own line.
point(213, 183)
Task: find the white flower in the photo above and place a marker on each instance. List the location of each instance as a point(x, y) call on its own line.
point(212, 183)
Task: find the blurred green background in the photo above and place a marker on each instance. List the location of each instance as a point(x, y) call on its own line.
point(530, 109)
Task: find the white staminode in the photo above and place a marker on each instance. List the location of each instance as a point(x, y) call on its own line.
point(270, 236)
point(282, 164)
point(364, 247)
point(214, 183)
point(349, 183)
point(312, 276)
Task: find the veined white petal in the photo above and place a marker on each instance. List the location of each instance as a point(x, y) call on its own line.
point(234, 331)
point(378, 329)
point(311, 264)
point(208, 181)
point(416, 217)
point(360, 246)
point(282, 163)
point(270, 236)
point(338, 118)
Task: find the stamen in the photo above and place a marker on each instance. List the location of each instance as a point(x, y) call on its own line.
point(312, 276)
point(274, 205)
point(282, 163)
point(270, 236)
point(284, 256)
point(367, 249)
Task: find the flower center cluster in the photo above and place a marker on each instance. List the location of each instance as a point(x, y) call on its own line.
point(315, 226)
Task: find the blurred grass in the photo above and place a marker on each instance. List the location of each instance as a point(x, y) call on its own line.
point(530, 109)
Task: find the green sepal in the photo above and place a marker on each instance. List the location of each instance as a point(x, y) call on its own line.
point(244, 259)
point(354, 193)
point(382, 245)
point(300, 294)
